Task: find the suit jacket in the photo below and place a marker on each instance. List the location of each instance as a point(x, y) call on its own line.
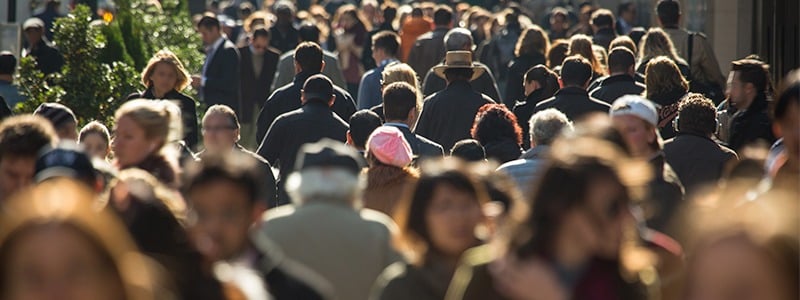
point(447, 115)
point(573, 102)
point(285, 73)
point(613, 87)
point(427, 51)
point(420, 146)
point(287, 98)
point(222, 77)
point(308, 124)
point(255, 89)
point(485, 84)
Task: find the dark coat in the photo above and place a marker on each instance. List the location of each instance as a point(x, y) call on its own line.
point(222, 78)
point(284, 41)
point(485, 84)
point(524, 111)
point(502, 151)
point(751, 125)
point(613, 87)
point(255, 90)
point(665, 194)
point(188, 112)
point(158, 166)
point(428, 50)
point(696, 159)
point(603, 37)
point(268, 180)
point(307, 124)
point(287, 98)
point(447, 116)
point(573, 102)
point(516, 75)
point(48, 58)
point(668, 110)
point(420, 146)
point(403, 281)
point(5, 111)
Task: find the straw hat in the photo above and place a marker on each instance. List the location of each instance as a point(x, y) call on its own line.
point(458, 60)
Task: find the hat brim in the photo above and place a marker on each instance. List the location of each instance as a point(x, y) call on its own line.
point(477, 71)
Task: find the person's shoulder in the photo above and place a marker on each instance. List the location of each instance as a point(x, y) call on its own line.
point(544, 104)
point(277, 215)
point(279, 93)
point(137, 95)
point(288, 56)
point(327, 55)
point(273, 52)
point(395, 282)
point(487, 99)
point(599, 103)
point(341, 92)
point(425, 38)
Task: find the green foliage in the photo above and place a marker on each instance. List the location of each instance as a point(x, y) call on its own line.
point(103, 61)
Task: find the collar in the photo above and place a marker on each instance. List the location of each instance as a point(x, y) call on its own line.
point(572, 90)
point(395, 124)
point(617, 78)
point(301, 77)
point(216, 45)
point(386, 62)
point(459, 84)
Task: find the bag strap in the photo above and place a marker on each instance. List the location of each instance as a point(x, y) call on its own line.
point(690, 43)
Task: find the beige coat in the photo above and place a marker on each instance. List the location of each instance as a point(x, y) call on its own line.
point(349, 248)
point(703, 64)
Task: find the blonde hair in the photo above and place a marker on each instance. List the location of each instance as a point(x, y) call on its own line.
point(662, 76)
point(657, 43)
point(581, 44)
point(532, 40)
point(159, 119)
point(71, 205)
point(401, 72)
point(167, 57)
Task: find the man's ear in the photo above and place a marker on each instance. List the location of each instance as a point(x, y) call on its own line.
point(349, 138)
point(323, 63)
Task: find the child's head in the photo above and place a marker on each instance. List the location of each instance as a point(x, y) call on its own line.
point(95, 139)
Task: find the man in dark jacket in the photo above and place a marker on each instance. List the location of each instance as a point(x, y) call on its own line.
point(447, 115)
point(221, 135)
point(572, 99)
point(460, 39)
point(400, 108)
point(693, 154)
point(219, 82)
point(283, 35)
point(749, 84)
point(308, 61)
point(603, 26)
point(310, 123)
point(258, 65)
point(637, 120)
point(227, 197)
point(48, 58)
point(429, 49)
point(621, 63)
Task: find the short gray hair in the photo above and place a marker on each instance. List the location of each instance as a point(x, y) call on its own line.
point(546, 125)
point(457, 39)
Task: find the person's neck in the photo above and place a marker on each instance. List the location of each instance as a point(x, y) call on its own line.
point(569, 252)
point(574, 86)
point(619, 73)
point(398, 122)
point(6, 77)
point(159, 93)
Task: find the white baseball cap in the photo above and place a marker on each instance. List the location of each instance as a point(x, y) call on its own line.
point(635, 106)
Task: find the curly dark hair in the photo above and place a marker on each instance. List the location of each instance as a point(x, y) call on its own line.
point(697, 114)
point(495, 122)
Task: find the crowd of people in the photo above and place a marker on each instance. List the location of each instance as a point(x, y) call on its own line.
point(414, 151)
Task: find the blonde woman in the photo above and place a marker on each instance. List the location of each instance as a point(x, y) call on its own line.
point(666, 87)
point(582, 45)
point(398, 72)
point(164, 78)
point(145, 132)
point(657, 43)
point(530, 50)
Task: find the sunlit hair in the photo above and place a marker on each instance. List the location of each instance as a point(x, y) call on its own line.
point(320, 184)
point(623, 41)
point(70, 206)
point(401, 72)
point(581, 45)
point(663, 76)
point(414, 240)
point(144, 187)
point(557, 53)
point(602, 57)
point(532, 40)
point(657, 43)
point(159, 119)
point(97, 128)
point(166, 57)
point(258, 17)
point(765, 222)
